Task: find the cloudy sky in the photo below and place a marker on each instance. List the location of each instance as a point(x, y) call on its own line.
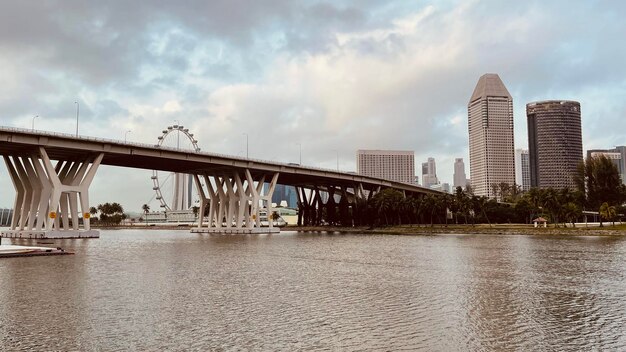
point(332, 76)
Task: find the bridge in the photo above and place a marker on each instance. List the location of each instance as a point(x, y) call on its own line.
point(231, 189)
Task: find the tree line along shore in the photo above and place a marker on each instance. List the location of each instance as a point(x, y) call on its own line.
point(599, 193)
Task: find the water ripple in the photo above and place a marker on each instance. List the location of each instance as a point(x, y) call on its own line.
point(160, 290)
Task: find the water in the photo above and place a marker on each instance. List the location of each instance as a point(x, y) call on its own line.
point(172, 290)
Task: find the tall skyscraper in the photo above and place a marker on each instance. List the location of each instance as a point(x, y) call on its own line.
point(522, 169)
point(617, 155)
point(555, 143)
point(394, 165)
point(285, 193)
point(460, 179)
point(490, 124)
point(429, 173)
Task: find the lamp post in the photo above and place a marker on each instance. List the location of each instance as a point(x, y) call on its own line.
point(247, 157)
point(33, 126)
point(126, 134)
point(300, 146)
point(77, 111)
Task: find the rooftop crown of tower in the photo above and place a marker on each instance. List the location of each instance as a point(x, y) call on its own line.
point(489, 85)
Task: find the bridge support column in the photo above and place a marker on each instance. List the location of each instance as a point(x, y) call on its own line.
point(236, 203)
point(47, 196)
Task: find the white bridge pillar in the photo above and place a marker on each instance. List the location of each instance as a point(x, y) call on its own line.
point(47, 196)
point(235, 204)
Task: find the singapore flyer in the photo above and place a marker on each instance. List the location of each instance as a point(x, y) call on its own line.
point(175, 191)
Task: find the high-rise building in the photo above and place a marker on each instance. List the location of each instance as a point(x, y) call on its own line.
point(460, 179)
point(522, 169)
point(5, 217)
point(617, 155)
point(285, 193)
point(555, 143)
point(394, 165)
point(429, 173)
point(490, 124)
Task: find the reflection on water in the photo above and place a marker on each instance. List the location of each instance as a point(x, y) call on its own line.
point(134, 290)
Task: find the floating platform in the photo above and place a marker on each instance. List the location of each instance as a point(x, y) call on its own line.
point(12, 251)
point(54, 234)
point(234, 230)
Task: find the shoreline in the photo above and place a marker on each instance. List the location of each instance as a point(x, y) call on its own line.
point(427, 230)
point(481, 229)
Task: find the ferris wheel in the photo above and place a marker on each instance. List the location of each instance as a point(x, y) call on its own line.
point(175, 191)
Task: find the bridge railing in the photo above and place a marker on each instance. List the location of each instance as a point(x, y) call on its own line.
point(153, 146)
point(146, 145)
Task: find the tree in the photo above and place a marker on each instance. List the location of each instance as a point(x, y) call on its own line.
point(388, 203)
point(93, 211)
point(607, 212)
point(479, 205)
point(445, 203)
point(524, 209)
point(111, 213)
point(598, 179)
point(505, 189)
point(571, 211)
point(146, 209)
point(550, 201)
point(196, 210)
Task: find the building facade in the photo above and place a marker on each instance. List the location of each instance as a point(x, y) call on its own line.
point(394, 165)
point(555, 145)
point(460, 178)
point(5, 216)
point(617, 155)
point(429, 173)
point(286, 194)
point(490, 125)
point(522, 169)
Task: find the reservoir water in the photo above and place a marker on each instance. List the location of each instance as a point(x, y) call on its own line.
point(173, 290)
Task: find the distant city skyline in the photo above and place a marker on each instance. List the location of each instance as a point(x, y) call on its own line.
point(319, 80)
point(429, 173)
point(460, 177)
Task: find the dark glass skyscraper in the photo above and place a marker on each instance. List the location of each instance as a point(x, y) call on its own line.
point(555, 144)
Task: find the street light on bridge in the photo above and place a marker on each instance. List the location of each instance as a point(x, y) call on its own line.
point(246, 145)
point(77, 111)
point(126, 134)
point(300, 146)
point(33, 126)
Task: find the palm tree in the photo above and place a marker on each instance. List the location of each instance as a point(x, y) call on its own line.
point(446, 202)
point(598, 179)
point(607, 212)
point(571, 211)
point(479, 204)
point(146, 209)
point(551, 203)
point(430, 202)
point(461, 201)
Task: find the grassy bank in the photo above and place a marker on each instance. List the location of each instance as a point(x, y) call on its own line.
point(496, 229)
